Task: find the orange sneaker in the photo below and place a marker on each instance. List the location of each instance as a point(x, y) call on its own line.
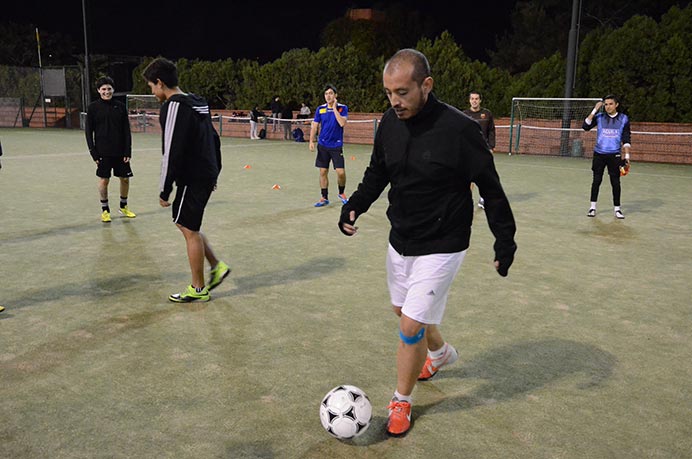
point(399, 417)
point(429, 369)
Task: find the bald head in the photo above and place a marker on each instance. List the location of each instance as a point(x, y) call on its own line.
point(420, 68)
point(407, 82)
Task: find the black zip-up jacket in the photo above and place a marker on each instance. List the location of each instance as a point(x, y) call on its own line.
point(429, 161)
point(107, 129)
point(191, 146)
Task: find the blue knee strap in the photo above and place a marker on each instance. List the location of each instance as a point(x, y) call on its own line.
point(412, 339)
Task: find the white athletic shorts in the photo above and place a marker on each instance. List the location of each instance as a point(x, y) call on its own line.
point(419, 285)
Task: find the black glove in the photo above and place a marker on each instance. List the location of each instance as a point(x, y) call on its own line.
point(345, 217)
point(505, 258)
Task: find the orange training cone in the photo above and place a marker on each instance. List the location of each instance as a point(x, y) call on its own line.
point(353, 158)
point(276, 187)
point(247, 166)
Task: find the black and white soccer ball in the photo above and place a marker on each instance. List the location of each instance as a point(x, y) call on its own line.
point(345, 412)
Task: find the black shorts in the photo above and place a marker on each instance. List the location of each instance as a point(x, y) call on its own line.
point(119, 167)
point(324, 155)
point(189, 203)
point(612, 162)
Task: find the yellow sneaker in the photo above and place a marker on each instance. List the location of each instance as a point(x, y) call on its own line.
point(126, 212)
point(105, 216)
point(2, 308)
point(190, 295)
point(218, 274)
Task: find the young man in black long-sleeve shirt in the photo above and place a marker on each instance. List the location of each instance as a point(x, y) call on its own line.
point(110, 145)
point(191, 160)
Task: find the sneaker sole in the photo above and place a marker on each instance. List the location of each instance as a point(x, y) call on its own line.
point(402, 434)
point(226, 274)
point(429, 377)
point(193, 300)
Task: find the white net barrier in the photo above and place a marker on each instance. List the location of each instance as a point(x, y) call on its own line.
point(550, 126)
point(554, 127)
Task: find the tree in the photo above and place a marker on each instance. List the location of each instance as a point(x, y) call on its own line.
point(647, 64)
point(455, 75)
point(539, 28)
point(398, 27)
point(18, 46)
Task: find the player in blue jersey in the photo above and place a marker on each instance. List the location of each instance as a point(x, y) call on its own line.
point(613, 137)
point(330, 118)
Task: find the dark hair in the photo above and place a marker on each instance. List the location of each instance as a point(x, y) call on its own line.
point(161, 69)
point(104, 80)
point(475, 92)
point(612, 96)
point(330, 86)
point(421, 66)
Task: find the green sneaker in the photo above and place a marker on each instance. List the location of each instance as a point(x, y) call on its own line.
point(218, 274)
point(190, 295)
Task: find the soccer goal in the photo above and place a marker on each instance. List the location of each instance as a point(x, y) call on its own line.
point(143, 110)
point(550, 126)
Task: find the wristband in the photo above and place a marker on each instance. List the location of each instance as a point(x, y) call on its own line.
point(593, 112)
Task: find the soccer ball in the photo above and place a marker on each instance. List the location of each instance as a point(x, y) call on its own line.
point(345, 412)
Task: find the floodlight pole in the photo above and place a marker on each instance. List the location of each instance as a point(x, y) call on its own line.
point(569, 74)
point(40, 72)
point(87, 78)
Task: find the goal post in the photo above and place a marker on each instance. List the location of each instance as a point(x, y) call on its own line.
point(137, 103)
point(143, 110)
point(550, 126)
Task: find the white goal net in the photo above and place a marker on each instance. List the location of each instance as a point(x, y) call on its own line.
point(143, 110)
point(550, 126)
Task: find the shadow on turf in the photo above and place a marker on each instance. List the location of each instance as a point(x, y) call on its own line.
point(521, 197)
point(508, 372)
point(518, 369)
point(642, 206)
point(311, 269)
point(612, 230)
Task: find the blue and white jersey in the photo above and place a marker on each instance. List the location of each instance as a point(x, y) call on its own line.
point(331, 132)
point(612, 133)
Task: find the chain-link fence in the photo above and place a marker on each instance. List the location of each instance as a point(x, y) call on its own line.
point(23, 103)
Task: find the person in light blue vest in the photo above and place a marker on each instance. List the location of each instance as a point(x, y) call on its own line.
point(612, 138)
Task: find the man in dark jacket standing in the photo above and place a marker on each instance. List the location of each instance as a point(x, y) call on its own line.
point(110, 145)
point(429, 153)
point(191, 159)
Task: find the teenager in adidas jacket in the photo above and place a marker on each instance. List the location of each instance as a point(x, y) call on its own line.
point(192, 151)
point(191, 159)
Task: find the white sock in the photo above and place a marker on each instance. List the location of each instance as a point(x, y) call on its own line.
point(616, 208)
point(402, 398)
point(593, 204)
point(438, 354)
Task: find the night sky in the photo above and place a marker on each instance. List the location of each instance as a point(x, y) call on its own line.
point(259, 30)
